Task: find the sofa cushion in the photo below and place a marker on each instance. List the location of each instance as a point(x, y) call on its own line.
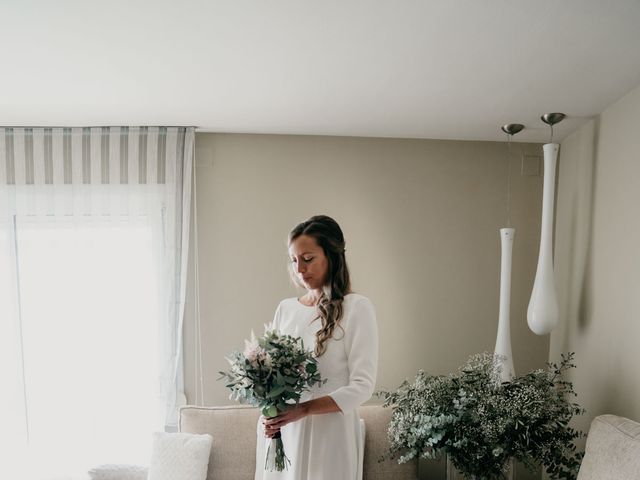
point(376, 419)
point(612, 451)
point(179, 456)
point(234, 431)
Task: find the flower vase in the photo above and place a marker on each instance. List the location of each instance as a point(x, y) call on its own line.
point(453, 474)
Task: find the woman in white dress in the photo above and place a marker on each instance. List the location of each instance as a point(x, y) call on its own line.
point(322, 434)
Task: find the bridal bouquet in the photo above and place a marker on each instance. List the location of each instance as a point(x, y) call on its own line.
point(271, 373)
point(482, 423)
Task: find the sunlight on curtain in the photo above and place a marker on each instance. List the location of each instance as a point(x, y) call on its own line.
point(91, 303)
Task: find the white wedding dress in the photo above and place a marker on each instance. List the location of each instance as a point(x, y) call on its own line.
point(328, 446)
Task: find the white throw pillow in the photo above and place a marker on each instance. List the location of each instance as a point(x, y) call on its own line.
point(114, 471)
point(179, 456)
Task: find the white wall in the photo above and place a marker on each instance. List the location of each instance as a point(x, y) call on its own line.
point(421, 220)
point(597, 260)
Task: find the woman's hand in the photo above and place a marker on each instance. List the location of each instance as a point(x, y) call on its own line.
point(274, 424)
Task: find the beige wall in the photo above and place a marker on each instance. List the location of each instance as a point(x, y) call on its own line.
point(421, 220)
point(597, 261)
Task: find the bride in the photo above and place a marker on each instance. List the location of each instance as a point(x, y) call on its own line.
point(321, 434)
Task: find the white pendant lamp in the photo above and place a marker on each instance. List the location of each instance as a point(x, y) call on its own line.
point(503, 338)
point(543, 313)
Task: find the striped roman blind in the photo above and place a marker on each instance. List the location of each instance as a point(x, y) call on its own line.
point(89, 155)
point(72, 182)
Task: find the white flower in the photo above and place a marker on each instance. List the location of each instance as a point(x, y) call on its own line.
point(251, 348)
point(265, 358)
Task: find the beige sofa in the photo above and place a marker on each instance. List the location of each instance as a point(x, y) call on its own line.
point(234, 441)
point(612, 451)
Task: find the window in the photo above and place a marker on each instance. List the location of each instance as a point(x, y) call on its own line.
point(89, 309)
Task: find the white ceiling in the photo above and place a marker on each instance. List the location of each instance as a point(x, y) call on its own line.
point(449, 69)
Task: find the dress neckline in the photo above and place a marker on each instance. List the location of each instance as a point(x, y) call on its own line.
point(303, 305)
point(314, 306)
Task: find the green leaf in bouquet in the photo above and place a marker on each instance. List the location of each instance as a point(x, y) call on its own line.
point(270, 411)
point(276, 391)
point(311, 368)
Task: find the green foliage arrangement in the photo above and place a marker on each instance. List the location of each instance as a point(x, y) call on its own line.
point(272, 373)
point(481, 423)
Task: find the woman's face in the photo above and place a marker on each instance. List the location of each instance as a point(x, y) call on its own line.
point(309, 262)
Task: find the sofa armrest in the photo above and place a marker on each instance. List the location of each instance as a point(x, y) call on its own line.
point(613, 450)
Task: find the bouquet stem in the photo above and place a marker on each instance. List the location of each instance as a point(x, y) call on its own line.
point(276, 458)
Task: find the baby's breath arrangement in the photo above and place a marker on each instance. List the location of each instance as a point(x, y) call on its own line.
point(271, 373)
point(481, 423)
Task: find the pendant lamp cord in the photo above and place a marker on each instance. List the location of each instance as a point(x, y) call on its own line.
point(509, 181)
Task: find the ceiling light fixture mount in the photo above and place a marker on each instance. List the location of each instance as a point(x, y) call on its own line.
point(512, 128)
point(552, 118)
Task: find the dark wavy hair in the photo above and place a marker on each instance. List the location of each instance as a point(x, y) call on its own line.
point(330, 238)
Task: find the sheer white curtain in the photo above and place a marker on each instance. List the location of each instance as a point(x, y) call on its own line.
point(94, 226)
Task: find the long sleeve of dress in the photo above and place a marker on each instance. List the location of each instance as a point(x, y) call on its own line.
point(361, 347)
